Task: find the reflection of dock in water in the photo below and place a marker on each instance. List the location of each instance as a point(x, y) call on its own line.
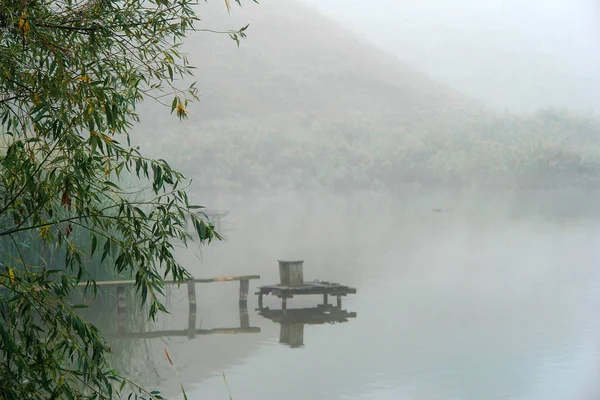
point(191, 331)
point(292, 321)
point(322, 314)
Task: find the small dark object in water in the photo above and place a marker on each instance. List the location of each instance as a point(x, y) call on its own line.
point(441, 210)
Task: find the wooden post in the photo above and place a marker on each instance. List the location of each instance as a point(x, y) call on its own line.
point(339, 302)
point(121, 309)
point(244, 317)
point(260, 301)
point(244, 285)
point(325, 299)
point(284, 303)
point(291, 273)
point(192, 312)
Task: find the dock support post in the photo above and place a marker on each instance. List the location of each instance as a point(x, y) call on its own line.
point(244, 317)
point(339, 302)
point(244, 285)
point(260, 301)
point(284, 303)
point(191, 285)
point(325, 299)
point(121, 316)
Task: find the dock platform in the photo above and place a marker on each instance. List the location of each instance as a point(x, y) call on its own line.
point(325, 289)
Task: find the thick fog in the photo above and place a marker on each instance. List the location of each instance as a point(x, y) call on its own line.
point(436, 155)
point(508, 53)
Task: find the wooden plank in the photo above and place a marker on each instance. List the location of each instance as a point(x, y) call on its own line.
point(309, 288)
point(171, 282)
point(158, 334)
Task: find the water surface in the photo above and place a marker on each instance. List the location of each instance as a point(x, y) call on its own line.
point(478, 302)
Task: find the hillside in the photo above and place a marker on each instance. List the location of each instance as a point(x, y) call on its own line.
point(306, 103)
point(297, 61)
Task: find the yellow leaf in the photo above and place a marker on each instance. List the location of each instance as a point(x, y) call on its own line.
point(23, 24)
point(11, 275)
point(44, 230)
point(106, 138)
point(181, 111)
point(227, 5)
point(168, 356)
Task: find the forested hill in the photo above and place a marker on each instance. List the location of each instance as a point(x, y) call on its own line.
point(304, 102)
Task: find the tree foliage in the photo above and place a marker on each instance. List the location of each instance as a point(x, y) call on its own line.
point(549, 148)
point(71, 75)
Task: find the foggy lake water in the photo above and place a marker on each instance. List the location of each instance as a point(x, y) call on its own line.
point(478, 302)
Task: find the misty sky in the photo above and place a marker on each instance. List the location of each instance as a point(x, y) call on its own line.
point(510, 53)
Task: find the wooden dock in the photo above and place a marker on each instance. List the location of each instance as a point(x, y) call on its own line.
point(325, 289)
point(191, 331)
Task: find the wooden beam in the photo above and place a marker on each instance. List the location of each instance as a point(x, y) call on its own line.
point(170, 282)
point(157, 334)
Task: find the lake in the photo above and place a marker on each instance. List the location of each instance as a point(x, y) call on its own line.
point(495, 297)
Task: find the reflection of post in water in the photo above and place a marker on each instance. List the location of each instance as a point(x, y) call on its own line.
point(191, 330)
point(244, 317)
point(192, 310)
point(121, 309)
point(292, 334)
point(292, 321)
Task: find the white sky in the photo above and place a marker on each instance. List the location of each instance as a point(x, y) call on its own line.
point(520, 54)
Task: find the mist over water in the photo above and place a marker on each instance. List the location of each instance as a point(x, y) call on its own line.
point(399, 148)
point(471, 303)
